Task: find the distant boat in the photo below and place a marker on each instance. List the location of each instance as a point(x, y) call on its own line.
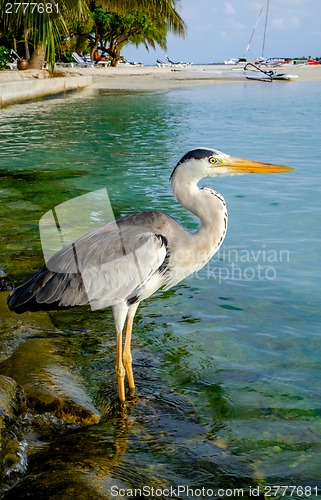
point(252, 72)
point(271, 61)
point(243, 59)
point(255, 72)
point(236, 60)
point(274, 61)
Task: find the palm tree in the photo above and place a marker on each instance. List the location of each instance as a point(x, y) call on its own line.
point(167, 9)
point(110, 31)
point(45, 22)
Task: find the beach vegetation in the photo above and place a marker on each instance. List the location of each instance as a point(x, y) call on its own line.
point(4, 57)
point(46, 26)
point(43, 26)
point(109, 32)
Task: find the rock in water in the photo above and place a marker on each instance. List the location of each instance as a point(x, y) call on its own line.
point(5, 282)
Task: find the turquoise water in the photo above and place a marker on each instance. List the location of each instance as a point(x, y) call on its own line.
point(239, 342)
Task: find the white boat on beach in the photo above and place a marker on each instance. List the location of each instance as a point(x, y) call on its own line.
point(235, 60)
point(273, 61)
point(253, 72)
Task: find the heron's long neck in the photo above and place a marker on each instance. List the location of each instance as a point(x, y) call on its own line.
point(207, 205)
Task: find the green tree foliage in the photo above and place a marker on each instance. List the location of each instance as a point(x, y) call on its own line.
point(4, 57)
point(110, 31)
point(46, 24)
point(166, 10)
point(43, 22)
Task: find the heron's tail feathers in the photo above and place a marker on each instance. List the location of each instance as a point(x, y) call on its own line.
point(24, 296)
point(47, 290)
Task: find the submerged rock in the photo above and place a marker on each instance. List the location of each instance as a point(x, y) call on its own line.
point(12, 444)
point(8, 389)
point(48, 384)
point(5, 282)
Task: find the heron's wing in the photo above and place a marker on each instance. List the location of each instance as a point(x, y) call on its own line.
point(113, 264)
point(102, 268)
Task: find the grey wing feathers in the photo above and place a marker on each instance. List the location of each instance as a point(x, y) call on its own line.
point(102, 268)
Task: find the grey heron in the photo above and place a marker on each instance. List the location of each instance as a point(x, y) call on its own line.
point(123, 263)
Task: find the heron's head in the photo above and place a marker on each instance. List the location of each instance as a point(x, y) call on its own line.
point(206, 162)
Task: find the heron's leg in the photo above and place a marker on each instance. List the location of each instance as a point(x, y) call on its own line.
point(120, 312)
point(120, 371)
point(127, 355)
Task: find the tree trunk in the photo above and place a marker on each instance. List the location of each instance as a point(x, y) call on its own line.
point(93, 50)
point(37, 59)
point(114, 54)
point(27, 52)
point(25, 36)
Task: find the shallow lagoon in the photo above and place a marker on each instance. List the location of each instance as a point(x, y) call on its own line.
point(228, 363)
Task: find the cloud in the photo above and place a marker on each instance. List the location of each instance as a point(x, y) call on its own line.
point(287, 22)
point(278, 22)
point(229, 9)
point(256, 6)
point(293, 3)
point(294, 21)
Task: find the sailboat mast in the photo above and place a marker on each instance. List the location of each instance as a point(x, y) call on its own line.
point(252, 34)
point(265, 25)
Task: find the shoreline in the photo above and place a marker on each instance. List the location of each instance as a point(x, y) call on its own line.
point(19, 91)
point(21, 86)
point(154, 78)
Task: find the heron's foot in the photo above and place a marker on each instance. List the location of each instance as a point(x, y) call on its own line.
point(127, 362)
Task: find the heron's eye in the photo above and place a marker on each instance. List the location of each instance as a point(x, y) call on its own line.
point(213, 160)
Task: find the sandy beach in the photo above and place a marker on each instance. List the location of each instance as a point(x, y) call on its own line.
point(155, 78)
point(20, 86)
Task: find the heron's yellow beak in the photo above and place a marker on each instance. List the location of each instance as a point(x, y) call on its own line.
point(239, 166)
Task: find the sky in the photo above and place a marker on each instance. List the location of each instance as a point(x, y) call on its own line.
point(218, 30)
